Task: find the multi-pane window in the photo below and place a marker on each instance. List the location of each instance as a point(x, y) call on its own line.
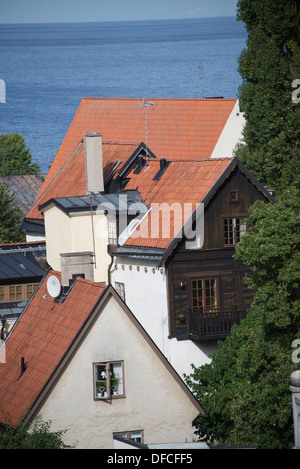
point(109, 380)
point(204, 294)
point(234, 229)
point(112, 231)
point(17, 292)
point(120, 289)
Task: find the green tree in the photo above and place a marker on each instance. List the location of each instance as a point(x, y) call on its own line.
point(38, 436)
point(245, 388)
point(268, 67)
point(10, 217)
point(15, 158)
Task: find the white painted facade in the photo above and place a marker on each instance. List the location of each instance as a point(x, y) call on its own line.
point(147, 297)
point(231, 135)
point(154, 403)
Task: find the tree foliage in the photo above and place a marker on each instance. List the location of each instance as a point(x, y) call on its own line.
point(15, 158)
point(38, 436)
point(268, 67)
point(245, 387)
point(10, 217)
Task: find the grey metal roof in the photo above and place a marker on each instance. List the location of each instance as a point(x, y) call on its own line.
point(19, 266)
point(86, 202)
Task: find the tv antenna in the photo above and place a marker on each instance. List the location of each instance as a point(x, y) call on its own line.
point(202, 77)
point(146, 105)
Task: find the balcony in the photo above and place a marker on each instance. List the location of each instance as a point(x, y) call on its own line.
point(212, 325)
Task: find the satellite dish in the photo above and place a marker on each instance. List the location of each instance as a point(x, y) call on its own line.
point(53, 286)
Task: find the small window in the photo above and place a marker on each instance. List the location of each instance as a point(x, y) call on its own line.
point(234, 196)
point(204, 294)
point(136, 436)
point(120, 289)
point(112, 231)
point(234, 229)
point(109, 380)
point(30, 289)
point(15, 292)
point(2, 293)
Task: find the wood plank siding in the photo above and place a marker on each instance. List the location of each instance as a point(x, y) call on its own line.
point(227, 297)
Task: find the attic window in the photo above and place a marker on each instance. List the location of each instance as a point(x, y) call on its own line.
point(234, 196)
point(108, 380)
point(234, 229)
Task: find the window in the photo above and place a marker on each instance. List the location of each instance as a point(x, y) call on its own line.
point(15, 292)
point(136, 436)
point(234, 229)
point(204, 294)
point(234, 196)
point(109, 380)
point(112, 231)
point(120, 289)
point(30, 288)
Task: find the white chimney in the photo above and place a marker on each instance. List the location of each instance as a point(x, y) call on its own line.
point(94, 162)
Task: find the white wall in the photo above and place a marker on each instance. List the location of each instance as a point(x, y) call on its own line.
point(231, 134)
point(66, 234)
point(154, 402)
point(146, 296)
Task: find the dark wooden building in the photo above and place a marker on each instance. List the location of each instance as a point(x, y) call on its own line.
point(206, 287)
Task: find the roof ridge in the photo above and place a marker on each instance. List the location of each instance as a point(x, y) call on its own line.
point(90, 98)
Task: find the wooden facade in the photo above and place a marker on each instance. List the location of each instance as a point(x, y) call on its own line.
point(207, 293)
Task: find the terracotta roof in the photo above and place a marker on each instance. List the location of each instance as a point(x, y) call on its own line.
point(42, 336)
point(70, 180)
point(183, 182)
point(177, 128)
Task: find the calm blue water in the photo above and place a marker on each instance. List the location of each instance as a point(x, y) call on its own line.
point(48, 68)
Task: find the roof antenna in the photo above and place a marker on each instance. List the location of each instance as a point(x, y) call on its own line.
point(146, 104)
point(201, 70)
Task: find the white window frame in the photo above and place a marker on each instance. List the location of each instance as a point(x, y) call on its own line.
point(120, 289)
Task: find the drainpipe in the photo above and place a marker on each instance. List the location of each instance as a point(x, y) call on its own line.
point(110, 265)
point(3, 321)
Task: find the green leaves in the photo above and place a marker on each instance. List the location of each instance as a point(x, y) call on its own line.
point(15, 158)
point(10, 217)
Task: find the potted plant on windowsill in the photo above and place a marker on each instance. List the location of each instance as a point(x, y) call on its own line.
point(101, 389)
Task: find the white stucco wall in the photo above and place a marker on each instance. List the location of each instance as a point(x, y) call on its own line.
point(154, 401)
point(231, 134)
point(66, 234)
point(146, 296)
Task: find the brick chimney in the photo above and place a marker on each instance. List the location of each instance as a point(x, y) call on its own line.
point(94, 163)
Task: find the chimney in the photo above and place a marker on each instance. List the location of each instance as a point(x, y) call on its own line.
point(94, 163)
point(76, 264)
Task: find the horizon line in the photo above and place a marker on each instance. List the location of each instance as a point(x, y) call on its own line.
point(114, 21)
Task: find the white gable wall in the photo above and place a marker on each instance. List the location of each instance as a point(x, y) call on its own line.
point(154, 402)
point(146, 296)
point(231, 135)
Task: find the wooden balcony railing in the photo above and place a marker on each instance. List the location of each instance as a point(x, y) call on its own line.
point(214, 324)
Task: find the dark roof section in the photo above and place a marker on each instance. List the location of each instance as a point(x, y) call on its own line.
point(120, 201)
point(24, 188)
point(20, 262)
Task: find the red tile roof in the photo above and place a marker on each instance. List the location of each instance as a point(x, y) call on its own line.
point(42, 336)
point(183, 182)
point(70, 180)
point(177, 129)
